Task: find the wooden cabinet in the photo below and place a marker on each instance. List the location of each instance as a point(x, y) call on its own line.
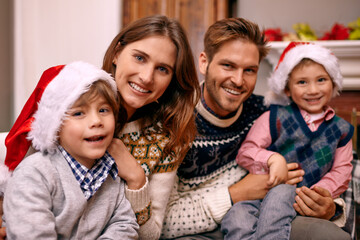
point(194, 15)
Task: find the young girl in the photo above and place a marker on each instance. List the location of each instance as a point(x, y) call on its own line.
point(70, 188)
point(300, 127)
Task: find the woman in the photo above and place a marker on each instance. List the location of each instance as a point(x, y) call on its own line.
point(152, 63)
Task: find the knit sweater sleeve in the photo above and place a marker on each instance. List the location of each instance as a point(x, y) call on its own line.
point(149, 203)
point(193, 212)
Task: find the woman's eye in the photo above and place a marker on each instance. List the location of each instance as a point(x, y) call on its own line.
point(139, 58)
point(163, 69)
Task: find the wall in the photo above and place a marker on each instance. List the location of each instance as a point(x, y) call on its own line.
point(5, 64)
point(319, 14)
point(47, 33)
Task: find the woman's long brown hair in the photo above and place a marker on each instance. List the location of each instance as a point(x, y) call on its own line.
point(175, 110)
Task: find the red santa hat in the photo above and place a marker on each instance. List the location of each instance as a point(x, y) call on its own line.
point(41, 118)
point(290, 58)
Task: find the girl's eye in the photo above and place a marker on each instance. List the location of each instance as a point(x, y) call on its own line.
point(321, 79)
point(103, 110)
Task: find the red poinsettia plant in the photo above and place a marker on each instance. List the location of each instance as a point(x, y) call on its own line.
point(273, 34)
point(338, 32)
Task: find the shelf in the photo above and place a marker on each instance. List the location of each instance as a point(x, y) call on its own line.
point(347, 51)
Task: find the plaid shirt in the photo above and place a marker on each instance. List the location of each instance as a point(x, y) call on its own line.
point(90, 180)
point(352, 197)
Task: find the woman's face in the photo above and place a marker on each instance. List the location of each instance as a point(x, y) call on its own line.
point(144, 70)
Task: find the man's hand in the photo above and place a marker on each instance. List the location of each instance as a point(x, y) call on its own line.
point(251, 187)
point(316, 202)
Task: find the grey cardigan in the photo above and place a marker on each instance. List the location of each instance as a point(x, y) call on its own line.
point(43, 200)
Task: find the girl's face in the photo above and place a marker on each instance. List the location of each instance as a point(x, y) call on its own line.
point(144, 70)
point(310, 87)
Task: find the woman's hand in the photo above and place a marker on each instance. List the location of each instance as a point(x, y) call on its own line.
point(316, 202)
point(129, 169)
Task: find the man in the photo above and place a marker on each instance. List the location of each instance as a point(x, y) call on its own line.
point(210, 180)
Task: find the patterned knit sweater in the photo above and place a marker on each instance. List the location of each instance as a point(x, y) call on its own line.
point(201, 198)
point(314, 151)
point(149, 202)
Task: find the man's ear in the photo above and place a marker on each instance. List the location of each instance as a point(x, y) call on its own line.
point(203, 63)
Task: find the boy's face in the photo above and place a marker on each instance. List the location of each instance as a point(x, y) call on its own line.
point(230, 77)
point(310, 87)
point(88, 130)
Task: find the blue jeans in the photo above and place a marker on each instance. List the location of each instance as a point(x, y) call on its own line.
point(269, 218)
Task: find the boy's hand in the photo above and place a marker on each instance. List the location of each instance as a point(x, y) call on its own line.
point(278, 171)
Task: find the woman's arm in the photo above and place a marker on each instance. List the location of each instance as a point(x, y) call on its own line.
point(148, 196)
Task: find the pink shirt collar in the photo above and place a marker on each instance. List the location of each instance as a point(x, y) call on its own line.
point(329, 114)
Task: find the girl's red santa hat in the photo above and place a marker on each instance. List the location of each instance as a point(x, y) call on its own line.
point(291, 56)
point(42, 116)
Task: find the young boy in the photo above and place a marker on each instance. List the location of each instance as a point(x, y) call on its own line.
point(69, 189)
point(300, 127)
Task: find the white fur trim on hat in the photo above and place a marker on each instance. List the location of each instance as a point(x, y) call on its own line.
point(278, 79)
point(5, 174)
point(60, 94)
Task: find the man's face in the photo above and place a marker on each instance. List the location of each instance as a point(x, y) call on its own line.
point(230, 77)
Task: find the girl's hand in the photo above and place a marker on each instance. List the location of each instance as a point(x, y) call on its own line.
point(129, 169)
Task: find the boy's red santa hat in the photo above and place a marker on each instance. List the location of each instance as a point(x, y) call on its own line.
point(291, 56)
point(41, 118)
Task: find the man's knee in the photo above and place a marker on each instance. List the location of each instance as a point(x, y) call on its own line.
point(314, 229)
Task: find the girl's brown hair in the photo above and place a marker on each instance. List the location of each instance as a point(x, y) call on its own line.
point(175, 110)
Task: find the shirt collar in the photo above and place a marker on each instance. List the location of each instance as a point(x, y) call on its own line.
point(329, 113)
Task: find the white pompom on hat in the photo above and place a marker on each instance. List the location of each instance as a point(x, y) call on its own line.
point(290, 58)
point(41, 118)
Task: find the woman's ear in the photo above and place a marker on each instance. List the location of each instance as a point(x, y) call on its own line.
point(203, 63)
